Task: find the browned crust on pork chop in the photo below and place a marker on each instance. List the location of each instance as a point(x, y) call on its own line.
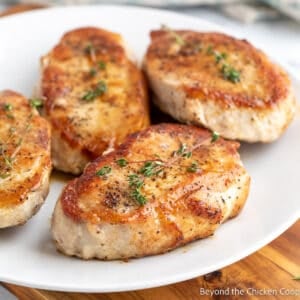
point(84, 58)
point(24, 159)
point(181, 203)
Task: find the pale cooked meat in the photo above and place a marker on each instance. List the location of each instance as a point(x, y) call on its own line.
point(220, 82)
point(25, 164)
point(94, 96)
point(164, 187)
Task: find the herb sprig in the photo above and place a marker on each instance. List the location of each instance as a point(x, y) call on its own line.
point(9, 159)
point(178, 38)
point(228, 72)
point(182, 151)
point(101, 65)
point(122, 162)
point(91, 51)
point(36, 102)
point(150, 168)
point(100, 89)
point(136, 182)
point(193, 168)
point(7, 107)
point(103, 171)
point(214, 137)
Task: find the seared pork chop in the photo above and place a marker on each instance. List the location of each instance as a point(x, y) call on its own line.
point(220, 82)
point(25, 164)
point(94, 96)
point(164, 187)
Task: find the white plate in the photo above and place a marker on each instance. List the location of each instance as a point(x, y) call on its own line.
point(27, 254)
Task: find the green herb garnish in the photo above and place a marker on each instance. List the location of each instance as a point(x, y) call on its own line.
point(8, 161)
point(138, 196)
point(36, 102)
point(231, 74)
point(209, 50)
point(193, 168)
point(101, 65)
point(219, 56)
point(181, 149)
point(135, 183)
point(4, 175)
point(179, 39)
point(100, 89)
point(93, 72)
point(150, 168)
point(8, 107)
point(122, 162)
point(214, 136)
point(89, 49)
point(187, 154)
point(103, 171)
point(297, 278)
point(10, 116)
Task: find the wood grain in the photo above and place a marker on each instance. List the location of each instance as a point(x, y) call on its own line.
point(271, 268)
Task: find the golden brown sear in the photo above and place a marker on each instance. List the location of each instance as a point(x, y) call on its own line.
point(162, 188)
point(94, 96)
point(220, 82)
point(25, 164)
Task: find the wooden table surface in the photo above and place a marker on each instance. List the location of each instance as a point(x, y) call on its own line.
point(270, 270)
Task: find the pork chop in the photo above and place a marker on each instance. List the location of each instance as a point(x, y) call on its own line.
point(25, 164)
point(94, 96)
point(220, 82)
point(162, 188)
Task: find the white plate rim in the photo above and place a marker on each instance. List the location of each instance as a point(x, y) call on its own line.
point(176, 277)
point(161, 282)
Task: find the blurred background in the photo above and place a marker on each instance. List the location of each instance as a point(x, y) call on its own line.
point(272, 25)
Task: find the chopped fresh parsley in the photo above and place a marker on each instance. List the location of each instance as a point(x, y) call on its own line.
point(103, 171)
